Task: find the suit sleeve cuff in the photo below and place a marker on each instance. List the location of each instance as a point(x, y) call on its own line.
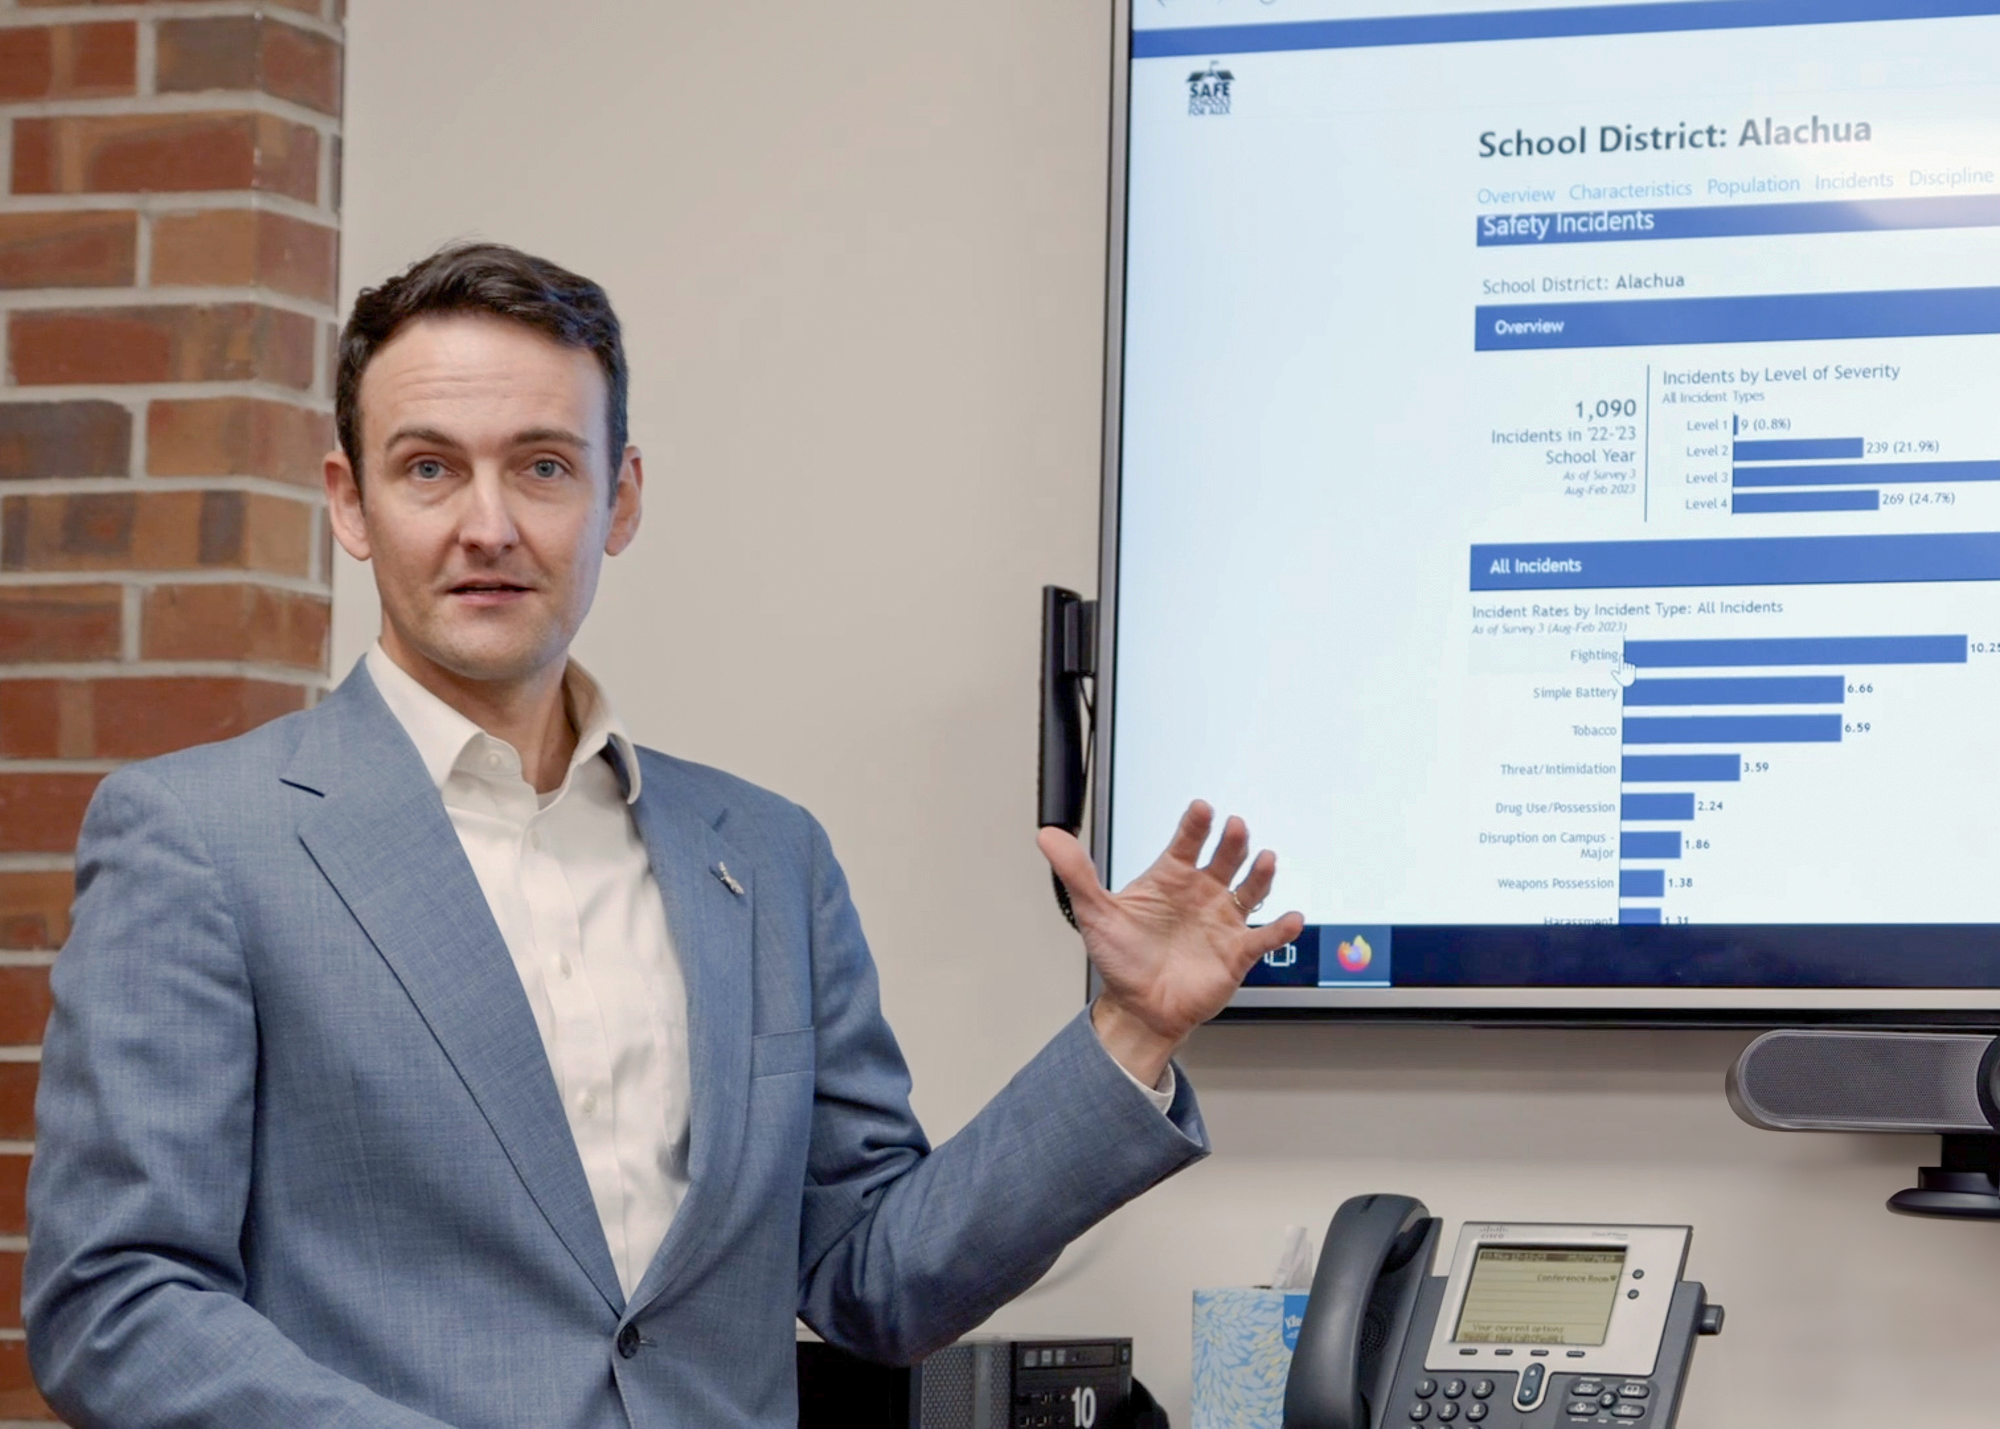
point(1161, 1094)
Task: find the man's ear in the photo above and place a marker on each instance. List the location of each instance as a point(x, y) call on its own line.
point(343, 505)
point(625, 502)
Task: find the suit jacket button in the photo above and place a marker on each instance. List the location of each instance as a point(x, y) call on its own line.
point(628, 1342)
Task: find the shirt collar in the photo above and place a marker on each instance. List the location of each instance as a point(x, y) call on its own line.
point(441, 734)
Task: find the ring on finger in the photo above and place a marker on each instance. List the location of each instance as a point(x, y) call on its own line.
point(1246, 912)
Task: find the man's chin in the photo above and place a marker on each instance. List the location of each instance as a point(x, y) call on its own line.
point(491, 662)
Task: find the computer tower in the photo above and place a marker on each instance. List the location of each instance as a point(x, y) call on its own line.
point(983, 1382)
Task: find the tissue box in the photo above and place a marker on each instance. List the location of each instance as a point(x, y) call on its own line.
point(1243, 1343)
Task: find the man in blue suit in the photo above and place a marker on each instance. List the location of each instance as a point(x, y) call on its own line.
point(436, 1056)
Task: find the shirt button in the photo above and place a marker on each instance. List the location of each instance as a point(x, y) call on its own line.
point(492, 760)
point(565, 969)
point(589, 1103)
point(535, 839)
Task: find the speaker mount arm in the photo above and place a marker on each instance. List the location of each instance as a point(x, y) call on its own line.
point(1964, 1185)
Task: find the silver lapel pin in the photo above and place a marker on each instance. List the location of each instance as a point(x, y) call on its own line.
point(722, 872)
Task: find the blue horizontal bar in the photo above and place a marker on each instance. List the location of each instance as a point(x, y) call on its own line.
point(1642, 883)
point(1682, 769)
point(1209, 40)
point(1647, 843)
point(1733, 729)
point(1756, 503)
point(1740, 690)
point(1809, 650)
point(1735, 220)
point(1638, 915)
point(1774, 317)
point(1799, 449)
point(1656, 806)
point(1888, 473)
point(1759, 560)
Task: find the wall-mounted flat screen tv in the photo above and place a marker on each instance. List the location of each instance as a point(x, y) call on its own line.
point(1553, 493)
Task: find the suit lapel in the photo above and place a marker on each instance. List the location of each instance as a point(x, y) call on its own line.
point(382, 838)
point(712, 927)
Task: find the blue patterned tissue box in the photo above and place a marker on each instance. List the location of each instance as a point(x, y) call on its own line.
point(1243, 1343)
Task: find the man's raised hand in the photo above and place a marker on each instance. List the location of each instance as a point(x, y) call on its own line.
point(1175, 943)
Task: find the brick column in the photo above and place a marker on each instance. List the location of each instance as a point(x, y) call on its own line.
point(168, 244)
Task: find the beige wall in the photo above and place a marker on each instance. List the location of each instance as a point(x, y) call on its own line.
point(858, 250)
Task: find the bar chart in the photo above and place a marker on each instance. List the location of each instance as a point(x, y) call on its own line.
point(1774, 475)
point(1764, 715)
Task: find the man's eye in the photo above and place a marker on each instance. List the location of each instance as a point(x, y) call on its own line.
point(427, 469)
point(548, 467)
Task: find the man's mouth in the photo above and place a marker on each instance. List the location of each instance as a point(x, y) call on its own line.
point(488, 590)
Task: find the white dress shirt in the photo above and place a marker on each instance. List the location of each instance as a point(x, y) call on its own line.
point(569, 884)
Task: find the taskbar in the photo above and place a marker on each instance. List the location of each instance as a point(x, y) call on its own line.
point(1705, 959)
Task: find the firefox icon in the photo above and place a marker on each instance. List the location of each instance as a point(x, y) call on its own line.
point(1354, 955)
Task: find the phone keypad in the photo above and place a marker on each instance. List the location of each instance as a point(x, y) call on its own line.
point(1586, 1399)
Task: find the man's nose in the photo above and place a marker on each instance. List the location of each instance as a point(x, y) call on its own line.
point(488, 520)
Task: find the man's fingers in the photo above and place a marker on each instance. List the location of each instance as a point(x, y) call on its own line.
point(1269, 938)
point(1256, 885)
point(1229, 852)
point(1185, 846)
point(1073, 866)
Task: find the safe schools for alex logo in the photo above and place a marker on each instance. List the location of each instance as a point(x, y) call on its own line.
point(1208, 90)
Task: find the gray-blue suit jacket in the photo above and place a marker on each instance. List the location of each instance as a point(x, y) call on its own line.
point(301, 1160)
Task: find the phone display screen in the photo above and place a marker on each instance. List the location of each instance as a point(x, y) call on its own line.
point(1540, 1295)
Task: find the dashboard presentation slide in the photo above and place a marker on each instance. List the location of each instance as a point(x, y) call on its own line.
point(1560, 466)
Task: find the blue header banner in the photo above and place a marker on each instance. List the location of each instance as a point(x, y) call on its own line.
point(1774, 317)
point(1464, 28)
point(1744, 220)
point(1768, 560)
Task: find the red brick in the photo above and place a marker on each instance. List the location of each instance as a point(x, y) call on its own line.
point(17, 1101)
point(42, 439)
point(34, 912)
point(134, 718)
point(235, 622)
point(18, 1399)
point(69, 250)
point(41, 813)
point(163, 153)
point(156, 531)
point(60, 622)
point(68, 61)
point(13, 1194)
point(309, 7)
point(250, 52)
point(237, 436)
point(31, 720)
point(10, 1289)
point(237, 247)
point(221, 342)
point(24, 1005)
point(301, 66)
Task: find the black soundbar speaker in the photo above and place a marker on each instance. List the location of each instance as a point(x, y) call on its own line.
point(1934, 1083)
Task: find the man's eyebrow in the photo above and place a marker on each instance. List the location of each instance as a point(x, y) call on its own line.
point(435, 436)
point(550, 434)
point(431, 435)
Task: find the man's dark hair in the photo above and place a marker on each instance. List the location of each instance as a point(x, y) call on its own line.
point(493, 279)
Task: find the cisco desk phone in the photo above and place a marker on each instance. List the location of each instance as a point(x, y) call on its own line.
point(1533, 1327)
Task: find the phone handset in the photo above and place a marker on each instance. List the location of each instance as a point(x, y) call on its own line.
point(1378, 1250)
